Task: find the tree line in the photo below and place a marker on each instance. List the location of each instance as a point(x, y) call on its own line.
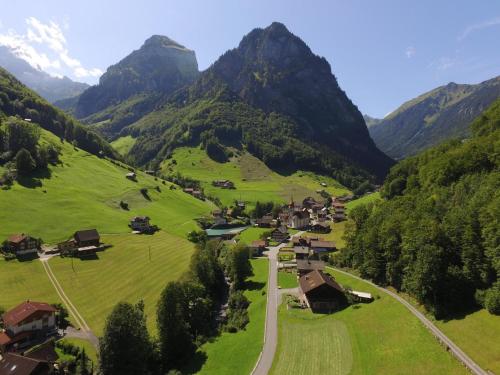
point(436, 234)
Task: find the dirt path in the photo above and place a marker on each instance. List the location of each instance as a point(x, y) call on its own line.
point(450, 345)
point(85, 331)
point(266, 357)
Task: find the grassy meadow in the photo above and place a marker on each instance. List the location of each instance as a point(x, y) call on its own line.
point(287, 280)
point(253, 180)
point(237, 353)
point(377, 338)
point(124, 272)
point(123, 144)
point(20, 281)
point(363, 200)
point(85, 192)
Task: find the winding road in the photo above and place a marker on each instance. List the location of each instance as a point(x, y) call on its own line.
point(265, 360)
point(445, 340)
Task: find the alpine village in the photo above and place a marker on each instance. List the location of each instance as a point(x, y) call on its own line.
point(244, 218)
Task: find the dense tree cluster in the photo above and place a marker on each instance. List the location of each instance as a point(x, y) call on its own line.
point(436, 235)
point(20, 145)
point(17, 100)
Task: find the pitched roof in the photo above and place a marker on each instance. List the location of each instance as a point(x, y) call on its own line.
point(87, 235)
point(301, 250)
point(307, 264)
point(325, 244)
point(44, 352)
point(15, 364)
point(17, 238)
point(315, 279)
point(259, 243)
point(25, 310)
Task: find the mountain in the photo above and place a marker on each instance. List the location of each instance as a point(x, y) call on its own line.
point(273, 97)
point(49, 87)
point(435, 234)
point(17, 101)
point(371, 121)
point(158, 68)
point(433, 117)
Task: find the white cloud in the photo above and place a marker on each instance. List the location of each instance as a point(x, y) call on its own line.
point(443, 63)
point(42, 40)
point(478, 26)
point(410, 52)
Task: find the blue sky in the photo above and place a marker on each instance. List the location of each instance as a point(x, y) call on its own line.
point(382, 52)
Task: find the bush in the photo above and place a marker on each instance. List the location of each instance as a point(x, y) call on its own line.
point(492, 300)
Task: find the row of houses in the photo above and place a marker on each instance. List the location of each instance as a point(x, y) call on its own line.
point(197, 193)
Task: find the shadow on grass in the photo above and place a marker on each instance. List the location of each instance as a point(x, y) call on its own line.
point(459, 315)
point(89, 257)
point(34, 180)
point(195, 363)
point(254, 285)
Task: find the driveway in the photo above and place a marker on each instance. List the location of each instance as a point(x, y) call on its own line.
point(266, 357)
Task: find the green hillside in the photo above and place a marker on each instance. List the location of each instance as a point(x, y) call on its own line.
point(253, 180)
point(84, 191)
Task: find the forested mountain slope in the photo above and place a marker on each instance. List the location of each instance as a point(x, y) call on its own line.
point(441, 114)
point(272, 96)
point(16, 100)
point(436, 235)
point(49, 87)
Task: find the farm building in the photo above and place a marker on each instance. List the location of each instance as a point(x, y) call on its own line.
point(131, 176)
point(319, 246)
point(25, 324)
point(304, 266)
point(321, 227)
point(321, 292)
point(279, 234)
point(140, 224)
point(301, 252)
point(89, 237)
point(338, 217)
point(22, 244)
point(258, 247)
point(265, 221)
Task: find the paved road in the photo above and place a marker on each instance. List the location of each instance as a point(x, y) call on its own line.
point(85, 331)
point(266, 357)
point(450, 345)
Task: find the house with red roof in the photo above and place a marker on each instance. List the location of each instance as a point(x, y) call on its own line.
point(28, 323)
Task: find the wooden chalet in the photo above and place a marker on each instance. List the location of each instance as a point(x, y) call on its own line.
point(318, 246)
point(280, 234)
point(304, 266)
point(265, 221)
point(258, 247)
point(321, 292)
point(140, 224)
point(321, 227)
point(87, 242)
point(22, 244)
point(301, 252)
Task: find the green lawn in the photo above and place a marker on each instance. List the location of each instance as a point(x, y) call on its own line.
point(363, 200)
point(252, 234)
point(20, 281)
point(85, 192)
point(478, 335)
point(336, 235)
point(253, 179)
point(378, 338)
point(84, 344)
point(237, 353)
point(123, 144)
point(123, 272)
point(287, 280)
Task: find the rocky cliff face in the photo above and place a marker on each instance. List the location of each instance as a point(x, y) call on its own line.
point(433, 117)
point(272, 96)
point(45, 85)
point(161, 65)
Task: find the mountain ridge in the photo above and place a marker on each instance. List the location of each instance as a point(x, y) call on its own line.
point(49, 87)
point(435, 116)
